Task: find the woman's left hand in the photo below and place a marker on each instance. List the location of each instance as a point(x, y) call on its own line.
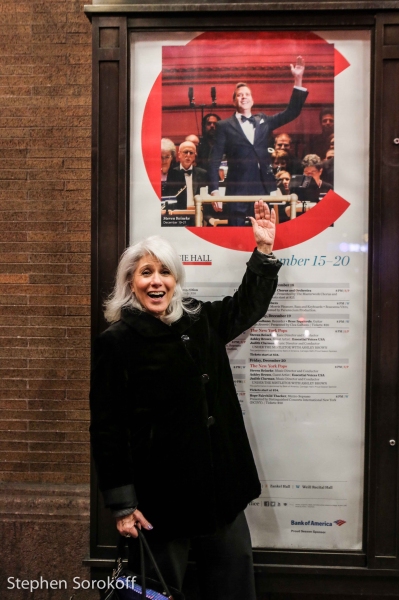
point(264, 227)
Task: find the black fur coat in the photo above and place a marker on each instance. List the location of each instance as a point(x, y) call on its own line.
point(167, 429)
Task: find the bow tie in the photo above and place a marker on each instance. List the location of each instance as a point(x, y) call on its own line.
point(250, 119)
point(190, 172)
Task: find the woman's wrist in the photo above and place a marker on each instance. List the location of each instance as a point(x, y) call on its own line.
point(265, 248)
point(123, 512)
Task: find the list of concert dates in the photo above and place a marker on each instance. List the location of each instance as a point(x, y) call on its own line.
point(299, 378)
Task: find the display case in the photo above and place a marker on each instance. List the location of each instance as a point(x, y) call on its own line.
point(317, 378)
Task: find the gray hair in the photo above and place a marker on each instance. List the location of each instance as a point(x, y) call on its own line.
point(122, 295)
point(168, 146)
point(312, 160)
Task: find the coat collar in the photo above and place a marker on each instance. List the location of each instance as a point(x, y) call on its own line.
point(149, 326)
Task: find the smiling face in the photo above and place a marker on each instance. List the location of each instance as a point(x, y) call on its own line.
point(243, 100)
point(283, 142)
point(153, 285)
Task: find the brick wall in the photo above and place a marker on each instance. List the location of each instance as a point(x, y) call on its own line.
point(45, 119)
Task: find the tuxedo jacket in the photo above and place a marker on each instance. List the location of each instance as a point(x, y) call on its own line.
point(249, 168)
point(176, 181)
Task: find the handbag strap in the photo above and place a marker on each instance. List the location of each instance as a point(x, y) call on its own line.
point(144, 546)
point(142, 569)
point(144, 549)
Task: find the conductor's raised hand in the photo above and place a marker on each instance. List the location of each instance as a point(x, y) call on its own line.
point(264, 227)
point(297, 71)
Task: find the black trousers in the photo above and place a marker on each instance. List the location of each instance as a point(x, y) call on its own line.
point(224, 561)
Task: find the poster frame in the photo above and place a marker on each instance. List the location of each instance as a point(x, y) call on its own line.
point(378, 563)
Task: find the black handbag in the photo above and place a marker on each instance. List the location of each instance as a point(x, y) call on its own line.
point(126, 585)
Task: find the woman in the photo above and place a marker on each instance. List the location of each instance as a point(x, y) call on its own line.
point(280, 160)
point(283, 179)
point(168, 156)
point(168, 436)
point(312, 167)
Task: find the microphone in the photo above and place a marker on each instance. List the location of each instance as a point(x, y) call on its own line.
point(191, 96)
point(213, 95)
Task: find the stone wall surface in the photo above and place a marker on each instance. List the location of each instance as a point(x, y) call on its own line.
point(45, 129)
point(44, 538)
point(45, 123)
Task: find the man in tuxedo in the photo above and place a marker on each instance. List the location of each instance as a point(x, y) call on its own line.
point(244, 138)
point(185, 181)
point(283, 142)
point(321, 143)
point(208, 139)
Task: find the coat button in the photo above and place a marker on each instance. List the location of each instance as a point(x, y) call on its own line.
point(185, 338)
point(205, 378)
point(211, 421)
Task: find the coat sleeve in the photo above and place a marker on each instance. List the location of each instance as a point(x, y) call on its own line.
point(292, 111)
point(234, 314)
point(109, 431)
point(200, 179)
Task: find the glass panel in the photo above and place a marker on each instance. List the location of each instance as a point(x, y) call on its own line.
point(300, 372)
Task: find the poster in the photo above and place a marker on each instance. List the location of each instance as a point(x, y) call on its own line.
point(300, 372)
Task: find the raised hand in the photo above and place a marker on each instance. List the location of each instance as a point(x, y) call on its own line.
point(264, 227)
point(297, 71)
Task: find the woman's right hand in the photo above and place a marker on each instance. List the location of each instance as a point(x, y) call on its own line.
point(264, 227)
point(127, 525)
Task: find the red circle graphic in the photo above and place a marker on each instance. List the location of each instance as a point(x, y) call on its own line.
point(288, 234)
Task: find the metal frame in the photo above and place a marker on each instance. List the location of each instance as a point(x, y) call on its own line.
point(374, 571)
